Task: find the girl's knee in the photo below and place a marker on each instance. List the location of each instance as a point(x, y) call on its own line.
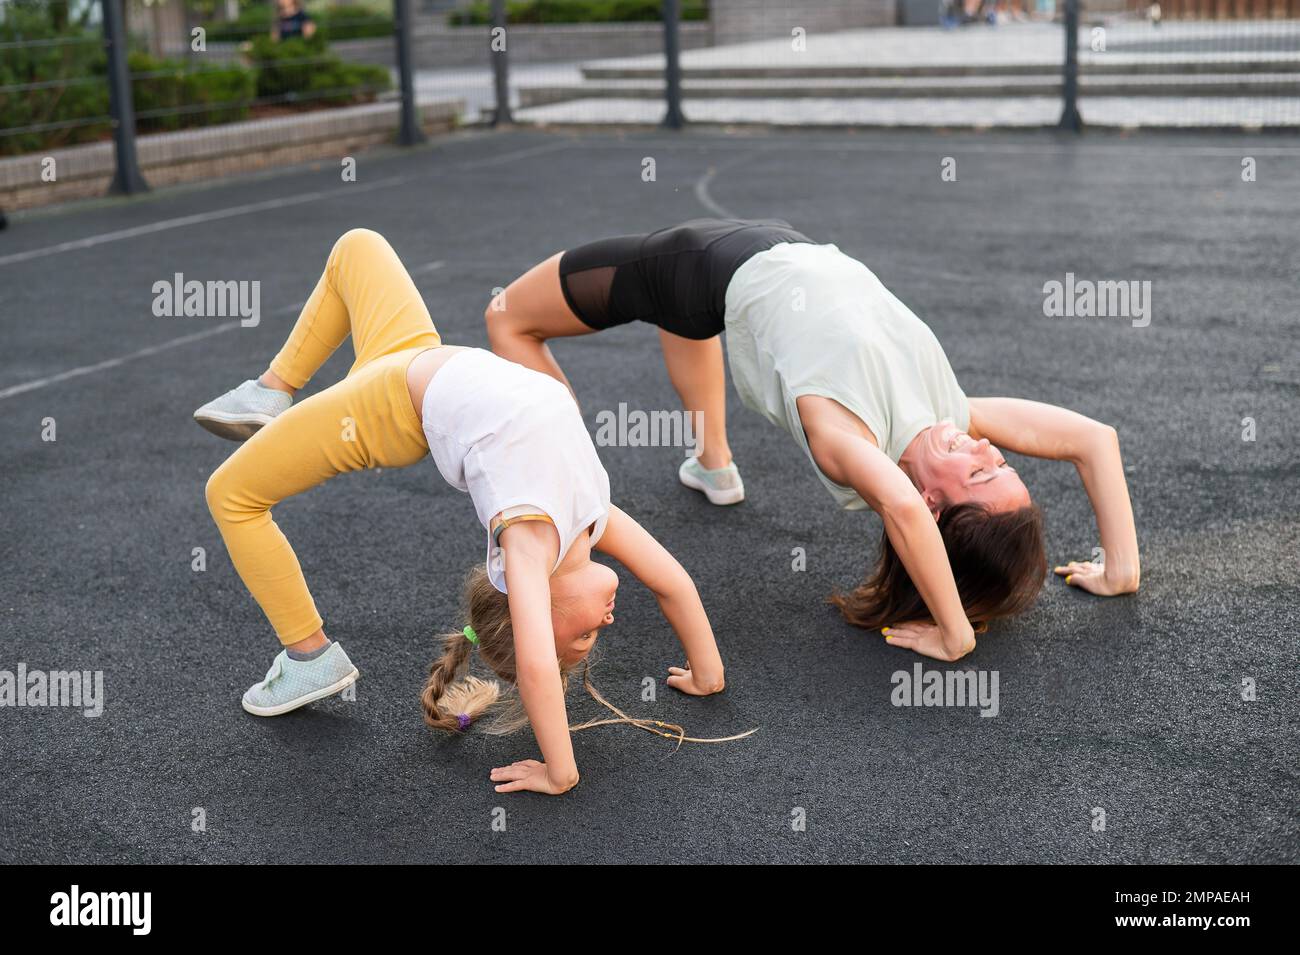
point(359, 242)
point(227, 501)
point(219, 493)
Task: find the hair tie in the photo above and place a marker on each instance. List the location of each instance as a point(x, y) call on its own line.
point(470, 635)
point(463, 720)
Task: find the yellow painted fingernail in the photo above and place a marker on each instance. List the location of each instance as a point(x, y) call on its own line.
point(884, 630)
point(1068, 577)
point(889, 639)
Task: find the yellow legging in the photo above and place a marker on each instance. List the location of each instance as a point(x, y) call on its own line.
point(364, 421)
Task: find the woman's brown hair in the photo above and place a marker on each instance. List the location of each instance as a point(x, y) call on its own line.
point(997, 559)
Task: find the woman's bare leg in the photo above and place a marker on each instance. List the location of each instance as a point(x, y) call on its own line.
point(531, 310)
point(696, 371)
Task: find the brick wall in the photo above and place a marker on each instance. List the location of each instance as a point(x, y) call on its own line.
point(214, 151)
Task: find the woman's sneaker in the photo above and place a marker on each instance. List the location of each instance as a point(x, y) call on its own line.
point(291, 683)
point(242, 412)
point(720, 485)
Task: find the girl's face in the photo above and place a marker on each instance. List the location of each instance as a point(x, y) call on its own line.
point(582, 602)
point(952, 468)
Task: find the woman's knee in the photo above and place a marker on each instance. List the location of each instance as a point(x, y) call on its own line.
point(503, 325)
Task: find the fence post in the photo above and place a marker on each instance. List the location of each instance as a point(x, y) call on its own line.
point(500, 64)
point(673, 118)
point(1070, 118)
point(127, 178)
point(410, 133)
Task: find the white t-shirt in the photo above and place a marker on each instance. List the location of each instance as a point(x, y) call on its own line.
point(807, 319)
point(509, 435)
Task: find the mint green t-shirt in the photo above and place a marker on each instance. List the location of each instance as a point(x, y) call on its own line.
point(806, 319)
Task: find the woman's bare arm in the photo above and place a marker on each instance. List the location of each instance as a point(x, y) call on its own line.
point(848, 457)
point(649, 561)
point(1046, 431)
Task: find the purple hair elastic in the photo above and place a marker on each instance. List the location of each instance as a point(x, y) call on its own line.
point(464, 721)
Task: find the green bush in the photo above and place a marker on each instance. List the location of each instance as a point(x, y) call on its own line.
point(306, 70)
point(79, 64)
point(578, 11)
point(188, 96)
point(252, 21)
point(182, 94)
point(332, 24)
point(353, 23)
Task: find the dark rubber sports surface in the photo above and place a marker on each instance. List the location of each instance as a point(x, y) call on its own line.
point(1131, 705)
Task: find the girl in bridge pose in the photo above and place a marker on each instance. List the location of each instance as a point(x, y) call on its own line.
point(510, 437)
point(819, 347)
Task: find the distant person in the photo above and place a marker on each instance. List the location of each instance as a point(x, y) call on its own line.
point(294, 23)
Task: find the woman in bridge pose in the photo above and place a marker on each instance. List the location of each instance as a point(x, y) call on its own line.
point(819, 347)
point(513, 439)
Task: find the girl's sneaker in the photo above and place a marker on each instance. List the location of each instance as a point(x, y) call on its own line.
point(720, 485)
point(243, 411)
point(291, 683)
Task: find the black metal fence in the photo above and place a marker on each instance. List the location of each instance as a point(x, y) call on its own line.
point(84, 71)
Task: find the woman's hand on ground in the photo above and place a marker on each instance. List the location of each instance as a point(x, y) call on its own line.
point(693, 683)
point(530, 775)
point(1095, 579)
point(928, 640)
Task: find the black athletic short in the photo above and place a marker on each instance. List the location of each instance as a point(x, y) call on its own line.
point(674, 278)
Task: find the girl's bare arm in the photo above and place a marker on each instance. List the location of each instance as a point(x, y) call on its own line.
point(530, 552)
point(649, 561)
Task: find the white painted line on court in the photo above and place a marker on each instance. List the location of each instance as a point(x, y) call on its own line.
point(164, 346)
point(201, 217)
point(706, 200)
point(114, 362)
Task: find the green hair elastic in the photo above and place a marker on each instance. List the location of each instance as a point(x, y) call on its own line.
point(470, 635)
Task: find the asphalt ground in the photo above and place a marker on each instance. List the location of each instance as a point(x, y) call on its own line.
point(1132, 706)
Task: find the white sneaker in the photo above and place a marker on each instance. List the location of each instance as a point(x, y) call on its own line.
point(291, 683)
point(720, 485)
point(243, 411)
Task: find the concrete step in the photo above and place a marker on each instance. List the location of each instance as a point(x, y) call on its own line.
point(1089, 64)
point(1132, 112)
point(1238, 84)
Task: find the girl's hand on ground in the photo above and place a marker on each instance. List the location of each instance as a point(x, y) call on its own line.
point(1093, 578)
point(529, 775)
point(693, 684)
point(926, 639)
